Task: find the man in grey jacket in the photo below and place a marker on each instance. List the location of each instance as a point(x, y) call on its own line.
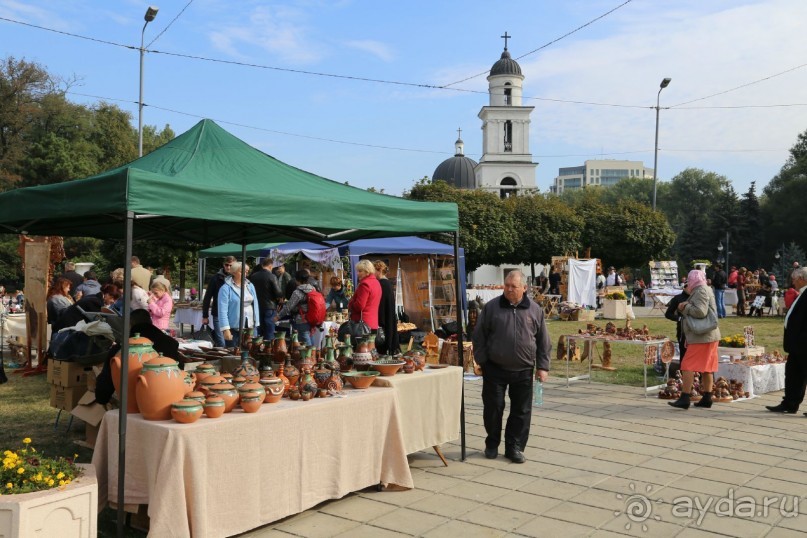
point(511, 342)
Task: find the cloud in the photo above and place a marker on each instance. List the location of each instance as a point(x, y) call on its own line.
point(376, 48)
point(704, 52)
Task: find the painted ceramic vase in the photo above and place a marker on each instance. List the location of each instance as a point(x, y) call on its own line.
point(279, 349)
point(321, 375)
point(345, 358)
point(335, 381)
point(140, 351)
point(197, 395)
point(211, 381)
point(274, 389)
point(362, 357)
point(292, 373)
point(204, 370)
point(187, 411)
point(159, 385)
point(247, 370)
point(238, 381)
point(228, 393)
point(307, 382)
point(254, 387)
point(251, 402)
point(214, 406)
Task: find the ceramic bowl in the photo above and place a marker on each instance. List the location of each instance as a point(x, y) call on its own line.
point(387, 367)
point(360, 380)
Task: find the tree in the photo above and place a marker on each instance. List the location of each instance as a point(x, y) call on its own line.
point(548, 227)
point(749, 244)
point(784, 200)
point(487, 229)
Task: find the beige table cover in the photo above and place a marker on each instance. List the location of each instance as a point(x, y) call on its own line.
point(430, 405)
point(220, 477)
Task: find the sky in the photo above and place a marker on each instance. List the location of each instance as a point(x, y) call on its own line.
point(262, 70)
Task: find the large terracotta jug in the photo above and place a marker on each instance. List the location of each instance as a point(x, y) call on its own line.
point(140, 351)
point(160, 384)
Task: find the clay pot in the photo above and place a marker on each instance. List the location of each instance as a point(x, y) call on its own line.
point(291, 373)
point(140, 351)
point(345, 358)
point(409, 365)
point(197, 395)
point(227, 393)
point(307, 382)
point(266, 370)
point(238, 381)
point(186, 411)
point(251, 402)
point(253, 387)
point(228, 377)
point(214, 406)
point(247, 370)
point(282, 376)
point(418, 357)
point(190, 382)
point(274, 392)
point(307, 395)
point(211, 381)
point(279, 349)
point(204, 370)
point(334, 382)
point(322, 375)
point(159, 384)
point(294, 393)
point(322, 393)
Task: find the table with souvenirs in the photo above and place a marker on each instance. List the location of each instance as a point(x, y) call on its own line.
point(238, 455)
point(189, 314)
point(656, 347)
point(745, 363)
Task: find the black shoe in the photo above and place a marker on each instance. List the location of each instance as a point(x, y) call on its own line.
point(515, 455)
point(705, 402)
point(781, 408)
point(681, 403)
point(491, 453)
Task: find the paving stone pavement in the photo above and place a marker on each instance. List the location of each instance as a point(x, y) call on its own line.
point(602, 460)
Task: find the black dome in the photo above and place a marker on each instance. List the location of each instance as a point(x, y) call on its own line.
point(457, 171)
point(505, 66)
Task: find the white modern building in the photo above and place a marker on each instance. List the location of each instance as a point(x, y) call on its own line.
point(600, 173)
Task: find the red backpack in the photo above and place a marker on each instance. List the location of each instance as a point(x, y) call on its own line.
point(316, 309)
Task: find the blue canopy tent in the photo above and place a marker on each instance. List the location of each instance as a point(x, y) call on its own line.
point(388, 246)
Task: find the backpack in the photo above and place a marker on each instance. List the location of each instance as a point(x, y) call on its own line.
point(316, 309)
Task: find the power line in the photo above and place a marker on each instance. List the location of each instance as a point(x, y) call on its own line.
point(742, 85)
point(567, 34)
point(103, 41)
point(169, 24)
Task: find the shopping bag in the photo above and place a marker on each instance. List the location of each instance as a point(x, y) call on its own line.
point(205, 333)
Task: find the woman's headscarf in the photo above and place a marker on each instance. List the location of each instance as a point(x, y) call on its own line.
point(696, 278)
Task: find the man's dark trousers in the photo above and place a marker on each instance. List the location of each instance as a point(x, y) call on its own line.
point(518, 384)
point(795, 381)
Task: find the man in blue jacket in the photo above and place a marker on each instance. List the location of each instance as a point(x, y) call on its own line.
point(511, 342)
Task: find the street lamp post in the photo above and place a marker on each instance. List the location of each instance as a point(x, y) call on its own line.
point(151, 12)
point(664, 83)
point(720, 252)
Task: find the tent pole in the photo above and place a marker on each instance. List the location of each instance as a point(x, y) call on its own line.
point(241, 320)
point(460, 331)
point(124, 371)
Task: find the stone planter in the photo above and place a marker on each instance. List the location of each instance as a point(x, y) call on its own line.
point(614, 309)
point(68, 513)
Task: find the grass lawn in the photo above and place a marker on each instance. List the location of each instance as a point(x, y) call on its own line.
point(25, 411)
point(628, 359)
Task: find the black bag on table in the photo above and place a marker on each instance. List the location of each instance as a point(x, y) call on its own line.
point(356, 330)
point(205, 333)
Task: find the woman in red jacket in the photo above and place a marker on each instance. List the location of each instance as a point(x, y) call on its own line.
point(364, 303)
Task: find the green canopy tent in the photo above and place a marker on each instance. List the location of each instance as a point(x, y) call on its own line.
point(207, 186)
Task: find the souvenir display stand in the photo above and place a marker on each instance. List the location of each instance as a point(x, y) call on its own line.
point(159, 196)
point(663, 274)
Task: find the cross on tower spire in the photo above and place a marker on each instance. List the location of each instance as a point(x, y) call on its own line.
point(505, 37)
point(459, 134)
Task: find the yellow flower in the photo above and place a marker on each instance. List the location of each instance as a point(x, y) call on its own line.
point(27, 440)
point(9, 485)
point(50, 482)
point(20, 470)
point(61, 483)
point(60, 475)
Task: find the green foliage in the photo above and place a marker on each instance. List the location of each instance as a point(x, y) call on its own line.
point(487, 230)
point(549, 227)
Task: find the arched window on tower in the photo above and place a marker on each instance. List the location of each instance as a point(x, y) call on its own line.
point(508, 95)
point(508, 135)
point(508, 188)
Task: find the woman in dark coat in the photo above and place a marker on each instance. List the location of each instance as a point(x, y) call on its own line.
point(386, 312)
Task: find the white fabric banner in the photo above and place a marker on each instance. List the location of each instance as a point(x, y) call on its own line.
point(582, 282)
point(328, 257)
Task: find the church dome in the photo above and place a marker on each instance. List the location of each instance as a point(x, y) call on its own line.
point(505, 66)
point(457, 171)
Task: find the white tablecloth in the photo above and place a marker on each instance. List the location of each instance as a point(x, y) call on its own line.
point(225, 476)
point(15, 326)
point(485, 295)
point(189, 316)
point(430, 405)
point(756, 379)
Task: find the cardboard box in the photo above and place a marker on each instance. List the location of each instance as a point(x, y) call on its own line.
point(65, 397)
point(583, 315)
point(614, 309)
point(67, 374)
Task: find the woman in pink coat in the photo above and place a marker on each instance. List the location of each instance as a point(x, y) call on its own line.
point(160, 305)
point(364, 303)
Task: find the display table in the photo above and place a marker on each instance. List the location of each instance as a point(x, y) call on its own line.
point(756, 379)
point(191, 316)
point(225, 476)
point(594, 339)
point(430, 405)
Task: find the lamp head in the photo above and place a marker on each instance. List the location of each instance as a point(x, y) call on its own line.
point(151, 12)
point(665, 82)
point(720, 246)
point(777, 255)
